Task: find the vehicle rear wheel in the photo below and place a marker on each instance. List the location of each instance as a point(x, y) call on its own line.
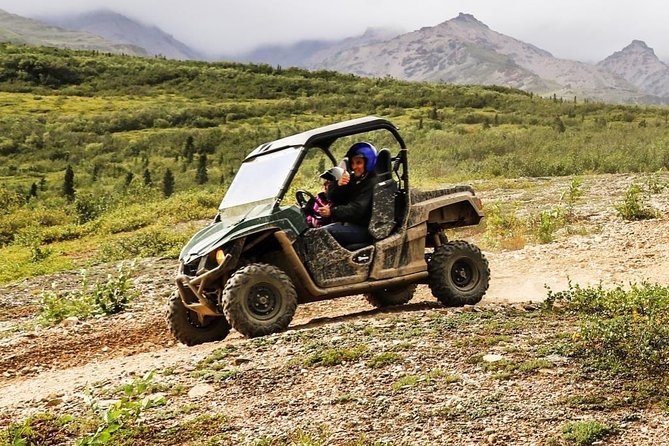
point(259, 299)
point(458, 274)
point(189, 329)
point(391, 296)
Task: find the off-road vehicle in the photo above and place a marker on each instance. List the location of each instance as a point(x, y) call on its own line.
point(258, 259)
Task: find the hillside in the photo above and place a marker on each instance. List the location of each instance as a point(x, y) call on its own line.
point(119, 28)
point(20, 30)
point(123, 124)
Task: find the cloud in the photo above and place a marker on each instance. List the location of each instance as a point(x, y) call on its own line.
point(574, 29)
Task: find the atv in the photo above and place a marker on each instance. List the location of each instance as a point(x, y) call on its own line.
point(258, 259)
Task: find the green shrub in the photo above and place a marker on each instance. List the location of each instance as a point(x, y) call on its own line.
point(149, 242)
point(41, 428)
point(57, 305)
point(547, 222)
point(9, 200)
point(383, 359)
point(114, 295)
point(336, 356)
point(623, 330)
point(503, 228)
point(31, 238)
point(120, 420)
point(88, 207)
point(632, 208)
point(571, 197)
point(107, 297)
point(585, 433)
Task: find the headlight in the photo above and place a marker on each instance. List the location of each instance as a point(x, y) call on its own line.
point(220, 256)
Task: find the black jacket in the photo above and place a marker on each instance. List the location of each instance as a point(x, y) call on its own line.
point(352, 203)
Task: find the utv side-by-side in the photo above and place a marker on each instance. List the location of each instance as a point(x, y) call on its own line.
point(258, 259)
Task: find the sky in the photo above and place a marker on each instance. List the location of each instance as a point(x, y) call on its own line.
point(585, 30)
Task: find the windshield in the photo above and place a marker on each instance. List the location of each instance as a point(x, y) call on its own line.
point(258, 182)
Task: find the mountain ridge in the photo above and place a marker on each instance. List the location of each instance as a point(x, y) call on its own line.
point(120, 28)
point(465, 50)
point(22, 30)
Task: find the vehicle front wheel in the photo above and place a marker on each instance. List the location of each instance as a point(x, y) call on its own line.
point(458, 274)
point(189, 329)
point(259, 299)
point(391, 296)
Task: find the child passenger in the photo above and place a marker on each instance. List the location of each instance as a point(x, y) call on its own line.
point(329, 177)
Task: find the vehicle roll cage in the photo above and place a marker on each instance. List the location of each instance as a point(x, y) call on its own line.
point(324, 137)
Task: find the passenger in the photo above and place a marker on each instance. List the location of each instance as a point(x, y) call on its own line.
point(351, 197)
point(330, 178)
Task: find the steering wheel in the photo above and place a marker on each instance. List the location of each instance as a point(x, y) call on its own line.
point(303, 198)
point(307, 201)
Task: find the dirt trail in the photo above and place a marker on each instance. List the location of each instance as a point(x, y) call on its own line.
point(47, 365)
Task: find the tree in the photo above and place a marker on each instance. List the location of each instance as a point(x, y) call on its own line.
point(201, 177)
point(168, 183)
point(558, 125)
point(68, 184)
point(147, 178)
point(128, 178)
point(33, 191)
point(189, 149)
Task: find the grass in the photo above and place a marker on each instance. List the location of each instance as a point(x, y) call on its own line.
point(585, 433)
point(335, 356)
point(383, 359)
point(410, 381)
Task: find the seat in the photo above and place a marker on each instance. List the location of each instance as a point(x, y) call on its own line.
point(383, 221)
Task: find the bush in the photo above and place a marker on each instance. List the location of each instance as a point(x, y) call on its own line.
point(632, 208)
point(150, 242)
point(623, 330)
point(109, 297)
point(503, 228)
point(113, 296)
point(547, 222)
point(31, 238)
point(89, 207)
point(584, 433)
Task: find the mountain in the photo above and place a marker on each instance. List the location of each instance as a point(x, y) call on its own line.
point(638, 64)
point(21, 30)
point(464, 50)
point(119, 28)
point(310, 53)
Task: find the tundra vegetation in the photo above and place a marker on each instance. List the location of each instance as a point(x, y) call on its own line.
point(107, 158)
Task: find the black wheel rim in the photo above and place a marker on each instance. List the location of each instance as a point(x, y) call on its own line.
point(263, 301)
point(464, 274)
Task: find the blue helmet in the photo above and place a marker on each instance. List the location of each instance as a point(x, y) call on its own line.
point(367, 151)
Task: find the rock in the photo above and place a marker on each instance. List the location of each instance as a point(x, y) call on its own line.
point(54, 402)
point(201, 390)
point(70, 321)
point(492, 358)
point(240, 361)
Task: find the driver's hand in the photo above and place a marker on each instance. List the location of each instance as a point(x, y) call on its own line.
point(325, 211)
point(345, 178)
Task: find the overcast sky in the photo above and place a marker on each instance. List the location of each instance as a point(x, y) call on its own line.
point(586, 30)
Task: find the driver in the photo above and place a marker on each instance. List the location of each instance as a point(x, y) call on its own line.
point(351, 197)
